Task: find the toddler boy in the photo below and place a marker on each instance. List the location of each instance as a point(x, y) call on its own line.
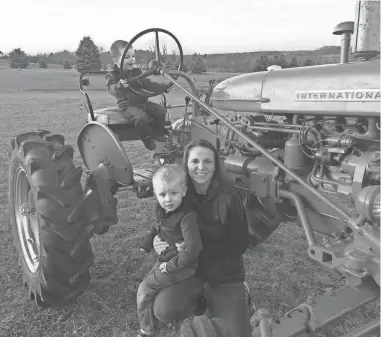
point(176, 223)
point(136, 108)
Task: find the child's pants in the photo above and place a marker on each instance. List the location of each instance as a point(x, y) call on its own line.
point(140, 114)
point(148, 288)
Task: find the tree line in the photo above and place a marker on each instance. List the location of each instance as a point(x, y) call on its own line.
point(88, 56)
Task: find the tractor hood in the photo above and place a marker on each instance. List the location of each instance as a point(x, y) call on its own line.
point(340, 89)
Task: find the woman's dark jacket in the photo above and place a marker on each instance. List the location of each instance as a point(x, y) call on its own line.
point(221, 259)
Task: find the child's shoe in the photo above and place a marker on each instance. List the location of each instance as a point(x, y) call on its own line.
point(142, 333)
point(149, 143)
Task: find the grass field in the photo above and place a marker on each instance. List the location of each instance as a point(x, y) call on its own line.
point(279, 272)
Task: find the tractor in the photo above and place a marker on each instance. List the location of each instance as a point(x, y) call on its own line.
point(299, 144)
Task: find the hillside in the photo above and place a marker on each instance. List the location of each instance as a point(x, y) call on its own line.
point(229, 62)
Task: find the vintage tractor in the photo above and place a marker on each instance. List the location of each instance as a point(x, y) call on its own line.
point(300, 145)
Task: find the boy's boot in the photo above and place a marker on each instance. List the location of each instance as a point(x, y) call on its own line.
point(149, 143)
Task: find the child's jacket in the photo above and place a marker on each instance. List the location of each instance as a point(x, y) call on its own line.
point(178, 226)
point(125, 97)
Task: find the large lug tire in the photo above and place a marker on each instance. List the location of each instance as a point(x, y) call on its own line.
point(44, 188)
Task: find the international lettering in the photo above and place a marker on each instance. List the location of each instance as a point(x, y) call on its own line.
point(356, 95)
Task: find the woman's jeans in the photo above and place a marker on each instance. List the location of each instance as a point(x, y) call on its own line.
point(227, 301)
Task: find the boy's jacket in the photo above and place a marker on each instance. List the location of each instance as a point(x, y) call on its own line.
point(178, 226)
point(124, 96)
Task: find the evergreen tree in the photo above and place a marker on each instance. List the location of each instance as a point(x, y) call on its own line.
point(42, 64)
point(18, 59)
point(197, 64)
point(66, 65)
point(88, 56)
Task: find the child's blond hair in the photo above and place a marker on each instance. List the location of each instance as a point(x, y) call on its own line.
point(170, 172)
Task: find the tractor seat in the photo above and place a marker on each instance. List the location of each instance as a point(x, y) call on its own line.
point(109, 116)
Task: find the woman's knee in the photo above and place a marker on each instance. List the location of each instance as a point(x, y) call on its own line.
point(177, 301)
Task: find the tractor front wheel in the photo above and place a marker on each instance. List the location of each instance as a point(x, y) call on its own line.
point(44, 188)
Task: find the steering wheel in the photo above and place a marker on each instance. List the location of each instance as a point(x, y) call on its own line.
point(154, 66)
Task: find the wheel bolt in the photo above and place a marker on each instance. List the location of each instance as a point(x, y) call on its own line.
point(25, 210)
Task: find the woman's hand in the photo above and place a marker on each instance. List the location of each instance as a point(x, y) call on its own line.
point(180, 246)
point(158, 245)
point(163, 267)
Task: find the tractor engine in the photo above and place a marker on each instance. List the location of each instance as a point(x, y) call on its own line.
point(338, 156)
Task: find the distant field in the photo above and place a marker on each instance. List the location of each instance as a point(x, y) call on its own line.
point(279, 272)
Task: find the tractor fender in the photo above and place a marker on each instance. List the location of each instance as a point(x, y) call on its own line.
point(98, 144)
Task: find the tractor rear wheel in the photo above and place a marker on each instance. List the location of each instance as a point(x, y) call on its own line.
point(44, 188)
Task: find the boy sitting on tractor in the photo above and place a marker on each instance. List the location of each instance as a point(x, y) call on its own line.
point(135, 108)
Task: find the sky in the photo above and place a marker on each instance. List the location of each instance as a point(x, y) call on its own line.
point(202, 26)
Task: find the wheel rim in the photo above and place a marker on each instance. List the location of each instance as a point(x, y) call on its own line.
point(27, 221)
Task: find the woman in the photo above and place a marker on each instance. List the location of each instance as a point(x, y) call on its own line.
point(219, 279)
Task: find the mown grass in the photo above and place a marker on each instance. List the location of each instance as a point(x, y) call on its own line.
point(279, 272)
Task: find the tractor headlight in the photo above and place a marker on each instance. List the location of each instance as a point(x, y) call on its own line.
point(368, 203)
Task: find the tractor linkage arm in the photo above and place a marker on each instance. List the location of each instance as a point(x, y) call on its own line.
point(318, 312)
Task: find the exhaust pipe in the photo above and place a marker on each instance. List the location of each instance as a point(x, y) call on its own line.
point(345, 29)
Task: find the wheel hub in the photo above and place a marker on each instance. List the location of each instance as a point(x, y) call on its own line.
point(27, 221)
